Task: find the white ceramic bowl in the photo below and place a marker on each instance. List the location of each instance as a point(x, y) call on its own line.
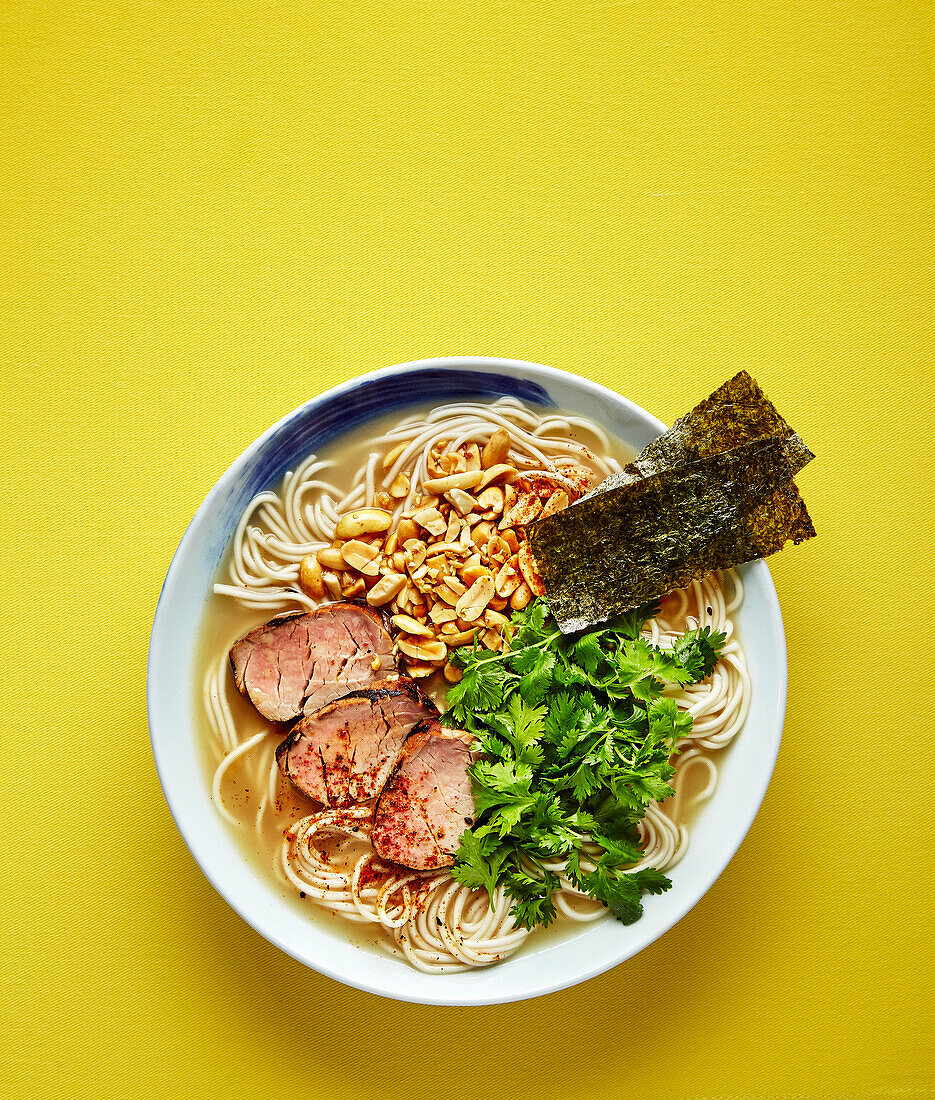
point(745, 767)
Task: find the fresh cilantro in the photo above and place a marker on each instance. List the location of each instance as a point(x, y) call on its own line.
point(532, 897)
point(574, 739)
point(482, 686)
point(698, 651)
point(478, 866)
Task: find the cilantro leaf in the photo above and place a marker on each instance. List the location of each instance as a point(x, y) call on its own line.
point(481, 687)
point(560, 716)
point(698, 652)
point(527, 722)
point(532, 898)
point(535, 666)
point(587, 653)
point(621, 891)
point(477, 867)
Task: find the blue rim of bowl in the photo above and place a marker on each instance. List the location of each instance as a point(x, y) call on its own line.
point(460, 364)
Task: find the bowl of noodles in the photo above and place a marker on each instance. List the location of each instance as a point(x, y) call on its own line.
point(306, 877)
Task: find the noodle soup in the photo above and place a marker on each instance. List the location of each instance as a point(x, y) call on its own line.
point(324, 858)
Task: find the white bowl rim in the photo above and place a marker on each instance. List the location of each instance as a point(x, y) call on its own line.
point(441, 997)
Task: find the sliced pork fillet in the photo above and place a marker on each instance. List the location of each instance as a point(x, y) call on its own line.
point(426, 804)
point(297, 663)
point(344, 752)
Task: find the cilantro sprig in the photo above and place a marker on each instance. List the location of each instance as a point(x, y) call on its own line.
point(574, 737)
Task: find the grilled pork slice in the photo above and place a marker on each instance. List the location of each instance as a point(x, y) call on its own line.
point(426, 804)
point(344, 752)
point(297, 663)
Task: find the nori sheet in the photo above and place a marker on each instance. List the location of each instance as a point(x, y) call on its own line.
point(737, 412)
point(613, 551)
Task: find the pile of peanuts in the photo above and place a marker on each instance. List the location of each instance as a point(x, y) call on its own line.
point(455, 562)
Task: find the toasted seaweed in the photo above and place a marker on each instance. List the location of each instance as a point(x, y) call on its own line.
point(618, 549)
point(737, 412)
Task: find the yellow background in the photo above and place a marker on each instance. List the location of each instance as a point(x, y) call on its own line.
point(213, 211)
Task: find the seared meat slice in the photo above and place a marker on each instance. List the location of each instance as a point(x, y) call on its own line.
point(297, 663)
point(427, 803)
point(344, 752)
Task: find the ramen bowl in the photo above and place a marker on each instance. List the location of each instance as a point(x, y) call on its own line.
point(545, 963)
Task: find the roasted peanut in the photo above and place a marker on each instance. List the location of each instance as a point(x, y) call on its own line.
point(333, 584)
point(527, 566)
point(436, 454)
point(391, 456)
point(330, 558)
point(454, 549)
point(490, 500)
point(472, 573)
point(409, 625)
point(452, 673)
point(423, 650)
point(354, 588)
point(495, 473)
point(447, 594)
point(399, 486)
point(311, 579)
point(455, 524)
point(431, 519)
point(415, 552)
point(468, 480)
point(363, 521)
point(463, 501)
point(473, 602)
point(498, 550)
point(451, 463)
point(508, 579)
point(406, 529)
point(362, 556)
point(557, 502)
point(521, 597)
point(480, 535)
point(471, 454)
point(387, 588)
point(496, 449)
point(524, 511)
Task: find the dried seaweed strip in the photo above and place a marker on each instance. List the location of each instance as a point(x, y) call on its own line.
point(737, 412)
point(616, 550)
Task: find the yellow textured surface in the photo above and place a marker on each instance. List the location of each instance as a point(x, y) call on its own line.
point(213, 211)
